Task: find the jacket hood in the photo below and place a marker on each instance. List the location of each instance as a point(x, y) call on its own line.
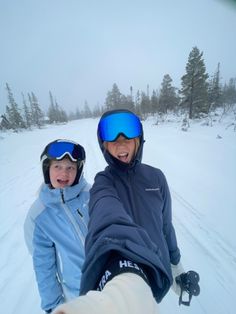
point(114, 162)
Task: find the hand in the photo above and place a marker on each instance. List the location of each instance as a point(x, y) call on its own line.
point(176, 271)
point(125, 293)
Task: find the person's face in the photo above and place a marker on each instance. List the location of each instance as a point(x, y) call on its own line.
point(62, 173)
point(122, 149)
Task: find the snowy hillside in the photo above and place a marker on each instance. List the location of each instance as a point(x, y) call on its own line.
point(200, 166)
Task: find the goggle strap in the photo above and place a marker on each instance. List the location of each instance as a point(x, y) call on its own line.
point(46, 156)
point(63, 155)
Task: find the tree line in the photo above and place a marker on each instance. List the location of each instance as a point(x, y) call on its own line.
point(31, 114)
point(198, 96)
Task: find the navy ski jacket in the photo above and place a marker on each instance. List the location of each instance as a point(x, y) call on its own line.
point(130, 213)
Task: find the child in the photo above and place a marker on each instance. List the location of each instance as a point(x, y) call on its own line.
point(56, 224)
point(131, 249)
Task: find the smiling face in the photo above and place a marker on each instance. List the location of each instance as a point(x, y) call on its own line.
point(62, 173)
point(122, 149)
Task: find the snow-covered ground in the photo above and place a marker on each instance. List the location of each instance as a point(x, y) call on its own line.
point(201, 170)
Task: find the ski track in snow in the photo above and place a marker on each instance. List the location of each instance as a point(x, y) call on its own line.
point(219, 260)
point(218, 243)
point(219, 256)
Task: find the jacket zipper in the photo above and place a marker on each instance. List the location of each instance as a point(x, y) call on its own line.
point(72, 219)
point(133, 200)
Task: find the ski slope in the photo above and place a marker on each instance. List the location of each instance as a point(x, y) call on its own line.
point(201, 171)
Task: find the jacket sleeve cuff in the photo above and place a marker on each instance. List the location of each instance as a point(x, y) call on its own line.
point(118, 265)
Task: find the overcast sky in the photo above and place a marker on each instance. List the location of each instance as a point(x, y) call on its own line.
point(78, 49)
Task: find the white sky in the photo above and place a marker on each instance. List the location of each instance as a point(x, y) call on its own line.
point(78, 49)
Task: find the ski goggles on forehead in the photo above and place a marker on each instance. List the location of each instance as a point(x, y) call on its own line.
point(125, 123)
point(58, 150)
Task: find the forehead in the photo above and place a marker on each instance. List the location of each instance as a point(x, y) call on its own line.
point(121, 137)
point(121, 140)
point(64, 161)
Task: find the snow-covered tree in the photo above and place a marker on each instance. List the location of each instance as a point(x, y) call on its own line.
point(155, 107)
point(52, 110)
point(168, 98)
point(36, 113)
point(138, 103)
point(126, 102)
point(97, 112)
point(13, 112)
point(194, 95)
point(215, 90)
point(145, 105)
point(26, 113)
point(86, 111)
point(113, 99)
point(229, 92)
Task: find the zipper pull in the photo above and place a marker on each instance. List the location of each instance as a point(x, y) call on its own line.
point(78, 211)
point(62, 196)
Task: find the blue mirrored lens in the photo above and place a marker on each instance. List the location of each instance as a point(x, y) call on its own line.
point(121, 122)
point(58, 150)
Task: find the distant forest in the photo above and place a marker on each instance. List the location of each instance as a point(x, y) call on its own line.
point(199, 95)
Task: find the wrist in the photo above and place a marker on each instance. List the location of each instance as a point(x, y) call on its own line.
point(177, 270)
point(118, 265)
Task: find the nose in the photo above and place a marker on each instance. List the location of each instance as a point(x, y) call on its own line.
point(64, 171)
point(120, 139)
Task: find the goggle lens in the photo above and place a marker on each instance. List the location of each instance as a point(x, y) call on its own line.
point(58, 150)
point(124, 123)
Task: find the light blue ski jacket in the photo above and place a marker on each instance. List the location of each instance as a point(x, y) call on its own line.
point(55, 230)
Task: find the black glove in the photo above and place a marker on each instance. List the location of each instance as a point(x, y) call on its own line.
point(188, 282)
point(48, 311)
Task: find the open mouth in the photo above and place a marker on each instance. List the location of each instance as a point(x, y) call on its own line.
point(63, 182)
point(123, 157)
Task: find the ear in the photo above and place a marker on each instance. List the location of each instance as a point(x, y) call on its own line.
point(105, 145)
point(137, 143)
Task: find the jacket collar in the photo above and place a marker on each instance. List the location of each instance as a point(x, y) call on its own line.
point(54, 196)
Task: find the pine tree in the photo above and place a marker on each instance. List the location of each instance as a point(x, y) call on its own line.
point(229, 93)
point(86, 112)
point(168, 99)
point(97, 112)
point(37, 113)
point(78, 114)
point(155, 107)
point(8, 114)
point(126, 102)
point(52, 110)
point(57, 116)
point(215, 90)
point(113, 99)
point(62, 115)
point(145, 104)
point(13, 112)
point(194, 85)
point(4, 124)
point(138, 103)
point(27, 113)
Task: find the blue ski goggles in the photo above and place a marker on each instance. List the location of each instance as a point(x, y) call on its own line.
point(125, 123)
point(59, 149)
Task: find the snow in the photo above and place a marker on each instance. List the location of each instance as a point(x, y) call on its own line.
point(201, 171)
